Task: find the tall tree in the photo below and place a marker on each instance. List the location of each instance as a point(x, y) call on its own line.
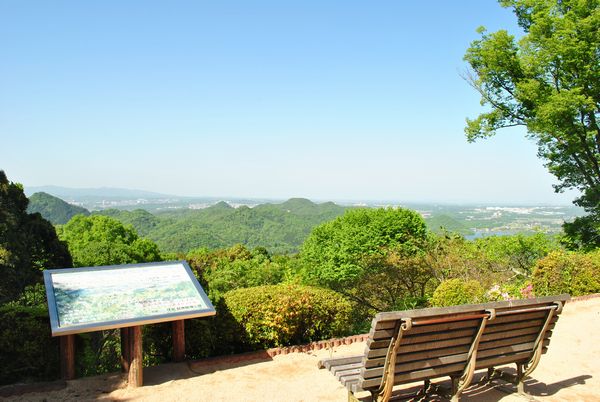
point(549, 82)
point(28, 243)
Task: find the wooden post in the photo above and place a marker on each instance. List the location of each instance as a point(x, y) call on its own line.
point(136, 376)
point(179, 341)
point(125, 350)
point(67, 357)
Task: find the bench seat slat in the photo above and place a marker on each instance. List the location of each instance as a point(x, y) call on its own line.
point(337, 361)
point(345, 367)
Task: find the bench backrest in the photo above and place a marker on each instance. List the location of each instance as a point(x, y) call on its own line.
point(436, 341)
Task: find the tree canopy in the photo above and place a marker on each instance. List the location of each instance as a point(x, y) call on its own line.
point(28, 243)
point(335, 252)
point(549, 82)
point(100, 240)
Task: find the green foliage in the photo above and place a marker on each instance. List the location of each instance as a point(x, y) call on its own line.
point(391, 281)
point(29, 353)
point(583, 233)
point(28, 243)
point(334, 252)
point(54, 209)
point(280, 228)
point(567, 272)
point(455, 291)
point(517, 253)
point(100, 240)
point(288, 314)
point(237, 267)
point(548, 82)
point(142, 221)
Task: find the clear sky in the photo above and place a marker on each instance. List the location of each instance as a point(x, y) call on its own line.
point(329, 100)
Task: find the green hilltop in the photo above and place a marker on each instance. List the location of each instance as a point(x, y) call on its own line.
point(281, 228)
point(54, 209)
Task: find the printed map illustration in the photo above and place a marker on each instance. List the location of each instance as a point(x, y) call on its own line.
point(123, 293)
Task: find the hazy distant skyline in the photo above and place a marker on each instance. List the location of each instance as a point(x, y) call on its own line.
point(334, 101)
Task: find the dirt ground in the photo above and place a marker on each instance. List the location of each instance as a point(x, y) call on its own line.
point(570, 371)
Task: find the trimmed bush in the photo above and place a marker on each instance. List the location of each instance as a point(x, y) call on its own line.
point(276, 315)
point(453, 292)
point(28, 351)
point(567, 272)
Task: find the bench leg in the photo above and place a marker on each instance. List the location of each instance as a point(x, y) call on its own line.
point(455, 387)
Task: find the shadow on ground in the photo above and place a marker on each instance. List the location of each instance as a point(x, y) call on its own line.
point(494, 391)
point(179, 371)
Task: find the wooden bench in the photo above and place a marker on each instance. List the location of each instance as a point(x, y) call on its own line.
point(421, 345)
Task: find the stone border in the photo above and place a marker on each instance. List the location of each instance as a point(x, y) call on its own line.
point(585, 297)
point(326, 344)
point(270, 353)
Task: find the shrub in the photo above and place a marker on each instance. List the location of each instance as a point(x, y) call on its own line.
point(567, 272)
point(457, 291)
point(29, 353)
point(275, 315)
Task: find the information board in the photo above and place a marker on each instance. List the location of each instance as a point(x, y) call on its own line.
point(96, 298)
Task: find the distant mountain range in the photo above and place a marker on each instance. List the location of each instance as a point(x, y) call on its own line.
point(101, 192)
point(182, 224)
point(281, 228)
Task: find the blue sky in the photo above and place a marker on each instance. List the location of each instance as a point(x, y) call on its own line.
point(339, 100)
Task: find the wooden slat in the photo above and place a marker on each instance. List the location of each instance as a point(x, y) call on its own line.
point(386, 324)
point(414, 376)
point(426, 337)
point(347, 373)
point(517, 332)
point(349, 380)
point(507, 342)
point(417, 365)
point(337, 369)
point(513, 325)
point(336, 361)
point(421, 355)
point(423, 346)
point(519, 317)
point(499, 306)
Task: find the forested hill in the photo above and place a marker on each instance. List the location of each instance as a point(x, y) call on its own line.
point(53, 209)
point(281, 228)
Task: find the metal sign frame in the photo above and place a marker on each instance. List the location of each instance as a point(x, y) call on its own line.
point(57, 330)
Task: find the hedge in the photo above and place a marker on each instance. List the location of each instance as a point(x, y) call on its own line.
point(567, 272)
point(453, 292)
point(276, 315)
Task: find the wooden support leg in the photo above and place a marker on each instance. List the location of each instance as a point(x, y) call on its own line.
point(454, 390)
point(178, 341)
point(520, 384)
point(136, 376)
point(67, 357)
point(125, 352)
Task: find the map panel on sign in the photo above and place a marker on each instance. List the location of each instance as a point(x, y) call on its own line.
point(87, 299)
